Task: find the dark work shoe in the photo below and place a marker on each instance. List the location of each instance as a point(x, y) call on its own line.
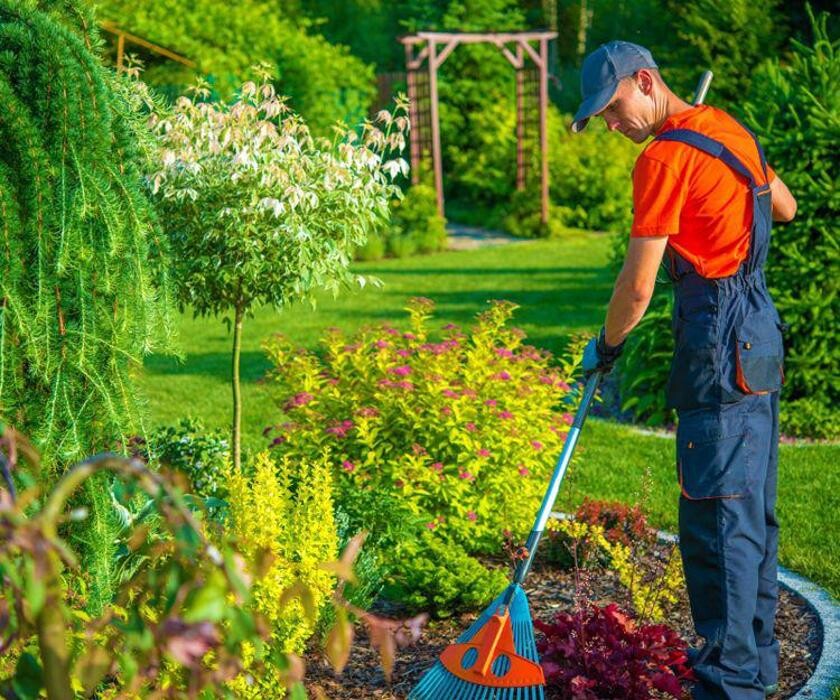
point(771, 689)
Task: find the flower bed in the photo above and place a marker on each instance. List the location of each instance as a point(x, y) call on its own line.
point(550, 590)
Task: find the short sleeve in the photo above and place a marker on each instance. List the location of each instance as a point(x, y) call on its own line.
point(658, 198)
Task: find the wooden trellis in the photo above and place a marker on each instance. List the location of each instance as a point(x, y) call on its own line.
point(433, 48)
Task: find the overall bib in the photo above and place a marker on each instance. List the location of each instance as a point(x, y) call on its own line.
point(724, 383)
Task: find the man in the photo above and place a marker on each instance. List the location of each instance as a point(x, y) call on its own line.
point(703, 195)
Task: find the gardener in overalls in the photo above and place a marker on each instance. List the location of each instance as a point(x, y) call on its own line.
point(703, 198)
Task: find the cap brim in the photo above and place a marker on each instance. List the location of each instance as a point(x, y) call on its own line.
point(591, 106)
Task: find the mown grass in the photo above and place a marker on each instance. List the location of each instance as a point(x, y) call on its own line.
point(562, 287)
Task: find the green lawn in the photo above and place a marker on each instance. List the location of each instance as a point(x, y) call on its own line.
point(563, 287)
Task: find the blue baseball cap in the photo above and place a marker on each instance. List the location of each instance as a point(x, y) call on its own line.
point(601, 72)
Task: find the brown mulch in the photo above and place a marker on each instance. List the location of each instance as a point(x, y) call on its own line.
point(549, 591)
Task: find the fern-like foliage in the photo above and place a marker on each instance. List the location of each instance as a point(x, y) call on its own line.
point(83, 289)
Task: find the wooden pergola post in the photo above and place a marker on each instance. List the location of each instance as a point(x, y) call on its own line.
point(521, 40)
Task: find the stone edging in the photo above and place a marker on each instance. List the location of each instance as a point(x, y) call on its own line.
point(826, 675)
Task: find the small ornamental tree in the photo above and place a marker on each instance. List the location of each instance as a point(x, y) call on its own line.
point(260, 212)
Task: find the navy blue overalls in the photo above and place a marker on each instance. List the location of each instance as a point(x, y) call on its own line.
point(724, 384)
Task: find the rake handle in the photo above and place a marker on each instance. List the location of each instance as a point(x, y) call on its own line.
point(557, 477)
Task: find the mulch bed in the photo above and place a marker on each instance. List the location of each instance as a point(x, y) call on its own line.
point(549, 591)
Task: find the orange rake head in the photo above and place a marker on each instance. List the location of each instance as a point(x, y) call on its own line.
point(490, 658)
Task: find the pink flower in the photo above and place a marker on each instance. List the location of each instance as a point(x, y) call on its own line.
point(471, 515)
point(391, 331)
point(536, 444)
point(449, 394)
point(409, 336)
point(546, 379)
point(405, 386)
point(348, 466)
point(491, 402)
point(341, 429)
point(432, 525)
point(450, 327)
point(563, 386)
point(469, 393)
point(298, 400)
point(418, 449)
point(523, 471)
point(504, 352)
point(471, 427)
point(446, 411)
point(568, 418)
point(278, 441)
point(405, 352)
point(505, 415)
point(483, 452)
point(502, 376)
point(401, 371)
point(382, 344)
point(367, 412)
point(437, 466)
point(466, 475)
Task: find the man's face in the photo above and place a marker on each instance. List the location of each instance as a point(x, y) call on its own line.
point(631, 109)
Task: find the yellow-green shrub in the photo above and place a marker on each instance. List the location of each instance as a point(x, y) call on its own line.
point(282, 518)
point(463, 430)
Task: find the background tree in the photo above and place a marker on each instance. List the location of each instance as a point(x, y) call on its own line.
point(83, 290)
point(260, 212)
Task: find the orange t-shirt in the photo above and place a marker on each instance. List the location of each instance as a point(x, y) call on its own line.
point(696, 199)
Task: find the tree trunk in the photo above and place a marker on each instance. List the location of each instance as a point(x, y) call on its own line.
point(237, 397)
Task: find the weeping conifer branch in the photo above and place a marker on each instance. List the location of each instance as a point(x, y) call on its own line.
point(83, 281)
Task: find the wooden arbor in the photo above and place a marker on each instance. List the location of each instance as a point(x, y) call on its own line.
point(516, 48)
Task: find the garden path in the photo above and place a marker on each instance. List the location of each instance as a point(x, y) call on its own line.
point(463, 237)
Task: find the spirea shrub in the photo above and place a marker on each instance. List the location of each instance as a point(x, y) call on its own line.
point(463, 428)
point(600, 653)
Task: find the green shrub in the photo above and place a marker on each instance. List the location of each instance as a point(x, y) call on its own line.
point(200, 454)
point(441, 576)
point(416, 227)
point(809, 417)
point(524, 215)
point(590, 175)
point(794, 110)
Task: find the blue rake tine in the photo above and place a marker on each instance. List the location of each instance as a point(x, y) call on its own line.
point(439, 684)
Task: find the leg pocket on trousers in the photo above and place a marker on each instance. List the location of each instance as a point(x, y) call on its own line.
point(712, 454)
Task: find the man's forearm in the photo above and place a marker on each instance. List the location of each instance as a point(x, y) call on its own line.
point(626, 308)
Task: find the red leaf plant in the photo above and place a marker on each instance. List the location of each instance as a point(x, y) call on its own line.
point(600, 653)
point(622, 523)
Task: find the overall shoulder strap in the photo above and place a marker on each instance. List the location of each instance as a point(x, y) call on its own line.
point(711, 146)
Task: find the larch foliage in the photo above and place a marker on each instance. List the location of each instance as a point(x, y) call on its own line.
point(83, 282)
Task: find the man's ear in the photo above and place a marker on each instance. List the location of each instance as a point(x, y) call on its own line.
point(644, 81)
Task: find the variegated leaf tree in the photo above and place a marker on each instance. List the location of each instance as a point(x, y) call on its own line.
point(258, 211)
